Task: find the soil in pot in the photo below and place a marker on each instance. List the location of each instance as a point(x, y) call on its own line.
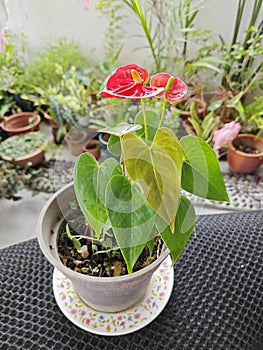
point(25, 149)
point(94, 258)
point(244, 154)
point(93, 147)
point(245, 148)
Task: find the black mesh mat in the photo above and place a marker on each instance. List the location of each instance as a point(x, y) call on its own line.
point(216, 301)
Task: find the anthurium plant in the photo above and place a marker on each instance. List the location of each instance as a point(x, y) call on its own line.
point(140, 196)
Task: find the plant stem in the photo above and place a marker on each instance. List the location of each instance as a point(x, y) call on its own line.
point(163, 112)
point(135, 6)
point(145, 120)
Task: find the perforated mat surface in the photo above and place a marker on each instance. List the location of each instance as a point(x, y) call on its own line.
point(216, 301)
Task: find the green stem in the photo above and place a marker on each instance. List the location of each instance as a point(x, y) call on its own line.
point(145, 119)
point(135, 6)
point(163, 112)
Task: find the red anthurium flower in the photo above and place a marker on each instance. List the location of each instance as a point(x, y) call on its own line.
point(176, 92)
point(128, 82)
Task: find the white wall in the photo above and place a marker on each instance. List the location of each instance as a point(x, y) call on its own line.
point(43, 20)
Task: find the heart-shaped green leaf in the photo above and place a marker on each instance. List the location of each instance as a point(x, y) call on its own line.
point(131, 217)
point(90, 182)
point(121, 129)
point(114, 145)
point(157, 168)
point(183, 227)
point(201, 173)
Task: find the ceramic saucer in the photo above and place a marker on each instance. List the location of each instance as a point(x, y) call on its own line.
point(124, 322)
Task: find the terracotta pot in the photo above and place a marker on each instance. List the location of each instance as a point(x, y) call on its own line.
point(76, 141)
point(241, 162)
point(34, 158)
point(19, 123)
point(107, 294)
point(93, 147)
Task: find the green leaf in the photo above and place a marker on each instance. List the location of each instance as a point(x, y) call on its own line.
point(184, 224)
point(74, 240)
point(209, 123)
point(201, 64)
point(121, 129)
point(150, 246)
point(157, 168)
point(215, 105)
point(114, 145)
point(153, 120)
point(234, 101)
point(90, 182)
point(201, 173)
point(131, 217)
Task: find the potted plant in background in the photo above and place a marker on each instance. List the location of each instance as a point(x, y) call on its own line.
point(133, 211)
point(24, 149)
point(245, 153)
point(76, 95)
point(203, 128)
point(21, 123)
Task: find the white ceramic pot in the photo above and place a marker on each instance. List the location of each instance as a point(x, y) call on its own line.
point(107, 294)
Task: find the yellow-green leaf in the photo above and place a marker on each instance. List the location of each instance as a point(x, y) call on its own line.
point(157, 167)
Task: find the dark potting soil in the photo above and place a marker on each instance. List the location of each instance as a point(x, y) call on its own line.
point(95, 258)
point(247, 149)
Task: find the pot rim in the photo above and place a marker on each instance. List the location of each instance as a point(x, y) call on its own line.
point(36, 122)
point(55, 261)
point(244, 154)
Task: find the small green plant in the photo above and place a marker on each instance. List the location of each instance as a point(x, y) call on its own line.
point(242, 70)
point(42, 71)
point(10, 181)
point(251, 115)
point(14, 178)
point(12, 60)
point(7, 104)
point(254, 111)
point(203, 128)
point(23, 144)
point(62, 115)
point(75, 94)
point(168, 29)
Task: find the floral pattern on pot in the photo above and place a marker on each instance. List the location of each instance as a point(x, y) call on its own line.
point(119, 323)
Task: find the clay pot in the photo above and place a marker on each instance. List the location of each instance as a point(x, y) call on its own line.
point(241, 162)
point(21, 123)
point(33, 158)
point(93, 147)
point(107, 294)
